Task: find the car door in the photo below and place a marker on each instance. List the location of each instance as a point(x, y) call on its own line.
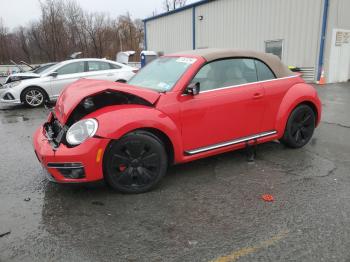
point(230, 104)
point(100, 70)
point(275, 90)
point(66, 75)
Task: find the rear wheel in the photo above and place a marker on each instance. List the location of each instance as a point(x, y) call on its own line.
point(34, 97)
point(300, 127)
point(135, 163)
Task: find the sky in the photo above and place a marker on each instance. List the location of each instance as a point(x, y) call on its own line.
point(20, 12)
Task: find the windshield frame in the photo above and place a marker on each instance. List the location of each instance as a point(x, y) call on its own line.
point(195, 60)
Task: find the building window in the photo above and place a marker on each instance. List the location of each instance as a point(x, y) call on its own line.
point(274, 47)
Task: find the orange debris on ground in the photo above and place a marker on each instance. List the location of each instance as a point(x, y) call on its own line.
point(267, 198)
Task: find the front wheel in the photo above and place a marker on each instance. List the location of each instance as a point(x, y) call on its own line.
point(135, 163)
point(300, 127)
point(34, 97)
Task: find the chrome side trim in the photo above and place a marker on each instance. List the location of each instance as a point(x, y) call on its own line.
point(265, 81)
point(229, 143)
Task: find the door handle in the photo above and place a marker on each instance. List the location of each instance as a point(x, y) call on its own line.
point(110, 74)
point(257, 95)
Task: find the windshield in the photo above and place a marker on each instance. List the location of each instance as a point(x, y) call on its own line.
point(51, 68)
point(42, 68)
point(162, 74)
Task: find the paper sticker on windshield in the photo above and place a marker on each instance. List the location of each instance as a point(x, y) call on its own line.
point(163, 85)
point(186, 60)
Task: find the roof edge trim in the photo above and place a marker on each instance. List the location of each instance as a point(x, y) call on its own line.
point(202, 2)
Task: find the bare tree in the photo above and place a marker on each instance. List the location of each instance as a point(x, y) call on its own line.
point(63, 28)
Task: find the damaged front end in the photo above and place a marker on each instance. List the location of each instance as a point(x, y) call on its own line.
point(20, 76)
point(56, 131)
point(104, 99)
point(67, 145)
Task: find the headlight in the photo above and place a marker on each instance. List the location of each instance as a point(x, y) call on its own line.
point(81, 131)
point(12, 84)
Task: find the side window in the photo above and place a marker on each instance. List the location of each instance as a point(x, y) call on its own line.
point(97, 66)
point(227, 72)
point(73, 68)
point(264, 73)
point(104, 66)
point(114, 66)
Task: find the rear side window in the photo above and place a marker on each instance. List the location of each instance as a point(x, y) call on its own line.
point(264, 72)
point(225, 73)
point(114, 66)
point(72, 68)
point(98, 66)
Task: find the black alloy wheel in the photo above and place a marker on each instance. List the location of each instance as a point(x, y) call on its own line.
point(300, 127)
point(135, 163)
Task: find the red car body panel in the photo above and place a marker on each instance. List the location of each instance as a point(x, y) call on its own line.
point(209, 115)
point(189, 122)
point(85, 153)
point(83, 88)
point(143, 118)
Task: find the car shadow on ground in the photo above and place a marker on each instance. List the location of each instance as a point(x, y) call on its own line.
point(202, 169)
point(9, 107)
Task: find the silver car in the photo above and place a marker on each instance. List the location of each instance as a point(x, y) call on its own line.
point(47, 85)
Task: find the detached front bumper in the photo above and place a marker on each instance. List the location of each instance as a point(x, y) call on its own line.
point(85, 161)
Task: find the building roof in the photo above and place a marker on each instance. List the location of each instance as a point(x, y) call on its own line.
point(177, 10)
point(211, 54)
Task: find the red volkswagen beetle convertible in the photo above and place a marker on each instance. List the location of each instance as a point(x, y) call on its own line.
point(179, 108)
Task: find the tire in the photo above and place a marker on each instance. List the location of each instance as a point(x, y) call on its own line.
point(300, 127)
point(33, 97)
point(135, 163)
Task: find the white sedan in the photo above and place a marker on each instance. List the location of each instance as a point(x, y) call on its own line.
point(47, 85)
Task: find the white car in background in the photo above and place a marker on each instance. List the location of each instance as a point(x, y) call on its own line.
point(48, 84)
point(29, 74)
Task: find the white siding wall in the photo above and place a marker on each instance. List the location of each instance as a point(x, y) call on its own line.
point(338, 17)
point(249, 23)
point(246, 24)
point(170, 33)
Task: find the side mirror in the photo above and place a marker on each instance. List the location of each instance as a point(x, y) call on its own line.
point(193, 89)
point(53, 74)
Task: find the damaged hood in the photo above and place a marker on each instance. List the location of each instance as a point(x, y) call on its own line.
point(73, 94)
point(21, 76)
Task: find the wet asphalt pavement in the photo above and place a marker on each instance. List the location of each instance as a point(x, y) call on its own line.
point(208, 210)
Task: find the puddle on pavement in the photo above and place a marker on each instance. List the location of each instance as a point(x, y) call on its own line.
point(14, 119)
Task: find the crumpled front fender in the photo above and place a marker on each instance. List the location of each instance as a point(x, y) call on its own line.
point(116, 121)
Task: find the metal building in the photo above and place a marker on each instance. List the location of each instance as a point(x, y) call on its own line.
point(311, 34)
